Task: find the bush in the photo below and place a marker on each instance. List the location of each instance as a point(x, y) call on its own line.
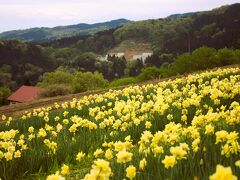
point(123, 81)
point(56, 90)
point(182, 64)
point(165, 72)
point(4, 93)
point(205, 58)
point(71, 81)
point(237, 54)
point(88, 81)
point(56, 77)
point(148, 73)
point(226, 57)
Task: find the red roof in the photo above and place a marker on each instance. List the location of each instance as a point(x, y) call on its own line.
point(25, 94)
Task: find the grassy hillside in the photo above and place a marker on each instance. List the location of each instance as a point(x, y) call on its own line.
point(177, 129)
point(46, 34)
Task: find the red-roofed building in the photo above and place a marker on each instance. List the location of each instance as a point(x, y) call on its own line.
point(25, 94)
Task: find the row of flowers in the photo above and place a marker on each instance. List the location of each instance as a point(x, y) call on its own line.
point(143, 132)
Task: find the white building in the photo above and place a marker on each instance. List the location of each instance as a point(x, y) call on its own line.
point(120, 54)
point(143, 56)
point(103, 58)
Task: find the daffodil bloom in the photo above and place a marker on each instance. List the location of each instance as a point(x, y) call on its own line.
point(223, 173)
point(131, 172)
point(148, 125)
point(237, 163)
point(64, 170)
point(4, 117)
point(100, 170)
point(109, 154)
point(31, 129)
point(209, 129)
point(80, 155)
point(142, 164)
point(65, 121)
point(17, 154)
point(98, 152)
point(124, 156)
point(55, 176)
point(8, 156)
point(169, 161)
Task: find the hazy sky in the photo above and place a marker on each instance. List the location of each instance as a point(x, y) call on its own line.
point(21, 14)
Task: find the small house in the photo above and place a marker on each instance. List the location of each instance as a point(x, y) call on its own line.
point(24, 94)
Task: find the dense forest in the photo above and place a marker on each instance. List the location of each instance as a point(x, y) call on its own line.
point(22, 63)
point(170, 38)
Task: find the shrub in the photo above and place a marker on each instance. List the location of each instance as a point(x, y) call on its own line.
point(123, 81)
point(56, 77)
point(182, 64)
point(148, 73)
point(74, 81)
point(226, 57)
point(56, 90)
point(237, 54)
point(88, 81)
point(4, 93)
point(165, 72)
point(203, 58)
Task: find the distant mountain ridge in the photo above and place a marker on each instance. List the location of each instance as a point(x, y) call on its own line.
point(175, 16)
point(176, 33)
point(44, 34)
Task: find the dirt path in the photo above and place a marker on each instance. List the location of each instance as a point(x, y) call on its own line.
point(17, 110)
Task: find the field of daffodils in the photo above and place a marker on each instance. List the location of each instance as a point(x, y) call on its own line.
point(187, 128)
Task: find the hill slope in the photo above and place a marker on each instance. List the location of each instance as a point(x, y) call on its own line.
point(217, 28)
point(173, 125)
point(17, 110)
point(46, 34)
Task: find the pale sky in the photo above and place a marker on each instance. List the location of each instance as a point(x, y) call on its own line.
point(22, 14)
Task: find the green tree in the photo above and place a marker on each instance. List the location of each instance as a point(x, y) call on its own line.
point(6, 77)
point(56, 77)
point(32, 73)
point(118, 65)
point(226, 57)
point(84, 81)
point(203, 58)
point(133, 67)
point(148, 74)
point(85, 62)
point(4, 93)
point(182, 64)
